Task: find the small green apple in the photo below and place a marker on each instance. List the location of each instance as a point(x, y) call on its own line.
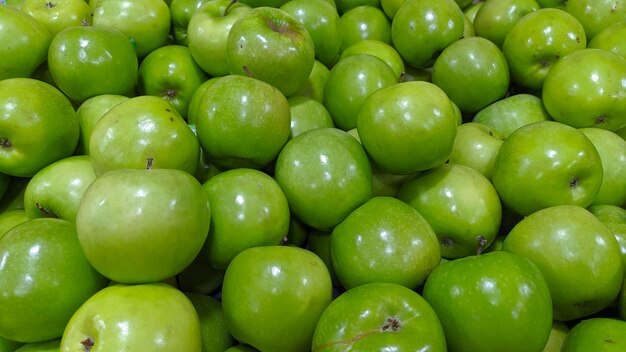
point(364, 22)
point(596, 15)
point(380, 49)
point(10, 218)
point(57, 15)
point(508, 114)
point(90, 112)
point(307, 114)
point(313, 87)
point(476, 145)
point(495, 18)
point(596, 334)
point(181, 12)
point(611, 39)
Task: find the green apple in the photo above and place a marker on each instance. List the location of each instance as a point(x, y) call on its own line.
point(571, 246)
point(379, 317)
point(274, 289)
point(215, 335)
point(32, 277)
point(250, 133)
point(495, 18)
point(139, 128)
point(344, 6)
point(11, 218)
point(420, 30)
point(459, 203)
point(611, 39)
point(207, 34)
point(471, 10)
point(508, 114)
point(261, 3)
point(547, 163)
point(172, 73)
point(44, 346)
point(407, 127)
point(24, 43)
point(380, 49)
point(557, 336)
point(384, 240)
point(537, 41)
point(476, 145)
point(38, 126)
point(181, 12)
point(57, 15)
point(350, 81)
point(314, 85)
point(307, 114)
point(612, 150)
point(57, 189)
point(145, 22)
point(321, 20)
point(325, 174)
point(614, 218)
point(390, 7)
point(298, 233)
point(271, 45)
point(248, 209)
point(125, 318)
point(319, 243)
point(472, 72)
point(8, 345)
point(196, 98)
point(596, 334)
point(595, 15)
point(496, 301)
point(552, 3)
point(138, 226)
point(362, 23)
point(586, 89)
point(90, 112)
point(86, 61)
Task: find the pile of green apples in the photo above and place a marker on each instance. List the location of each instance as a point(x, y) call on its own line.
point(312, 175)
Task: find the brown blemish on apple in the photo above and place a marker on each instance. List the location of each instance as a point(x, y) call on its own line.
point(88, 344)
point(609, 341)
point(392, 324)
point(5, 143)
point(45, 212)
point(447, 242)
point(600, 119)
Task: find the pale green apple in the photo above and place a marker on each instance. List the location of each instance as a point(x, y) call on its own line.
point(364, 22)
point(508, 114)
point(596, 334)
point(595, 15)
point(307, 114)
point(380, 49)
point(611, 39)
point(90, 112)
point(476, 145)
point(57, 15)
point(614, 218)
point(495, 18)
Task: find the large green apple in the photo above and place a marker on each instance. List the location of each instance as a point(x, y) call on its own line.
point(611, 39)
point(379, 317)
point(496, 301)
point(273, 46)
point(273, 297)
point(325, 174)
point(181, 12)
point(571, 246)
point(472, 72)
point(587, 88)
point(380, 49)
point(40, 292)
point(86, 61)
point(38, 126)
point(138, 226)
point(612, 150)
point(248, 133)
point(90, 112)
point(126, 318)
point(362, 23)
point(508, 114)
point(459, 203)
point(476, 145)
point(407, 127)
point(614, 218)
point(495, 18)
point(215, 335)
point(139, 128)
point(595, 15)
point(24, 43)
point(307, 114)
point(420, 30)
point(596, 334)
point(544, 164)
point(57, 15)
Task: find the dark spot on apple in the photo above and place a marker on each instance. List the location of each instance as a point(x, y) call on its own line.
point(600, 119)
point(490, 133)
point(391, 324)
point(609, 341)
point(5, 143)
point(149, 163)
point(50, 5)
point(543, 63)
point(88, 344)
point(577, 39)
point(171, 119)
point(447, 242)
point(84, 22)
point(45, 212)
point(580, 304)
point(168, 109)
point(574, 182)
point(482, 244)
point(170, 94)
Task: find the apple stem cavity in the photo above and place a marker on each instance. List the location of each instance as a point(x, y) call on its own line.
point(482, 244)
point(5, 143)
point(392, 324)
point(45, 212)
point(574, 182)
point(87, 344)
point(149, 163)
point(228, 7)
point(50, 5)
point(600, 119)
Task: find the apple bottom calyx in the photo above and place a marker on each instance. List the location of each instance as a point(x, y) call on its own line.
point(5, 143)
point(391, 324)
point(88, 344)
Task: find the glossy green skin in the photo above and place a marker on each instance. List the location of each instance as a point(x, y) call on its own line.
point(473, 72)
point(350, 81)
point(362, 23)
point(196, 98)
point(32, 276)
point(459, 203)
point(612, 150)
point(90, 112)
point(596, 15)
point(611, 39)
point(307, 114)
point(321, 20)
point(476, 145)
point(24, 42)
point(537, 41)
point(248, 209)
point(140, 128)
point(407, 127)
point(596, 334)
point(544, 164)
point(39, 124)
point(57, 189)
point(344, 6)
point(496, 301)
point(46, 346)
point(155, 317)
point(162, 213)
point(57, 15)
point(271, 45)
point(325, 174)
point(170, 72)
point(557, 335)
point(614, 218)
point(384, 240)
point(207, 34)
point(571, 246)
point(420, 30)
point(313, 87)
point(508, 114)
point(8, 345)
point(275, 288)
point(250, 133)
point(89, 61)
point(181, 12)
point(215, 336)
point(145, 22)
point(364, 318)
point(382, 50)
point(11, 218)
point(495, 18)
point(587, 88)
point(390, 7)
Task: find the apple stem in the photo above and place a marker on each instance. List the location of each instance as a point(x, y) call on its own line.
point(248, 72)
point(482, 244)
point(229, 6)
point(149, 163)
point(45, 212)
